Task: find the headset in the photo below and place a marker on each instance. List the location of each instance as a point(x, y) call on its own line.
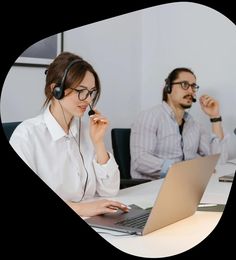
point(168, 87)
point(58, 90)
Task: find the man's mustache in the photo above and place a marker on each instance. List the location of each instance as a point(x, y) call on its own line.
point(188, 96)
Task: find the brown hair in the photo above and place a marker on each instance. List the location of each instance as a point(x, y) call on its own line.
point(76, 73)
point(171, 77)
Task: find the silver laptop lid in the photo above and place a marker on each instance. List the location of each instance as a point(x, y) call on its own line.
point(181, 192)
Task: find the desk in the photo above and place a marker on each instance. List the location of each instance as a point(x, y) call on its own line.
point(177, 237)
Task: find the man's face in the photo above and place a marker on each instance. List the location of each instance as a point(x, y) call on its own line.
point(183, 90)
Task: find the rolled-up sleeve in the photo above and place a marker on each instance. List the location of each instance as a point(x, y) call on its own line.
point(107, 176)
point(210, 143)
point(220, 146)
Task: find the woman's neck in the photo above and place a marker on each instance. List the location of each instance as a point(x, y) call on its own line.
point(62, 117)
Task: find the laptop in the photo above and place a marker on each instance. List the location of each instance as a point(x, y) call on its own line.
point(178, 198)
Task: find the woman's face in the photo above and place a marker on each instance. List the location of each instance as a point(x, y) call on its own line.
point(71, 102)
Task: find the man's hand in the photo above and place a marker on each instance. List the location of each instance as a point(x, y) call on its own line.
point(210, 106)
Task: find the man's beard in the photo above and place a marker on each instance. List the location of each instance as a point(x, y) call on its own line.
point(186, 106)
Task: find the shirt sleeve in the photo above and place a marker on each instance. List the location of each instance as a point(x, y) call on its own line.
point(220, 146)
point(20, 143)
point(167, 164)
point(210, 143)
point(107, 176)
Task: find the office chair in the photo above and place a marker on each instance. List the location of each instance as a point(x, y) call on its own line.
point(120, 138)
point(9, 128)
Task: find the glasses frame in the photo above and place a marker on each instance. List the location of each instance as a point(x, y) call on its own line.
point(185, 85)
point(89, 92)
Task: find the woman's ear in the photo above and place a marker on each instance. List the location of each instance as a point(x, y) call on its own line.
point(52, 86)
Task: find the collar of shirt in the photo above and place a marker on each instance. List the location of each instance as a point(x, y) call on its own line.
point(55, 129)
point(169, 110)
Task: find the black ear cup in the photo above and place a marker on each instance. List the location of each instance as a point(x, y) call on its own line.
point(58, 92)
point(168, 86)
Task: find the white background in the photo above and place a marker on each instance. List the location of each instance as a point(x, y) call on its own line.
point(133, 54)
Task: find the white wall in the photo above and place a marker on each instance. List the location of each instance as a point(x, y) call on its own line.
point(22, 94)
point(133, 54)
point(114, 48)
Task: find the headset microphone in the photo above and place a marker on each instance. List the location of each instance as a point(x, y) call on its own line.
point(91, 111)
point(194, 99)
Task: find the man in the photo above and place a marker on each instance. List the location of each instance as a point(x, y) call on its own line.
point(166, 134)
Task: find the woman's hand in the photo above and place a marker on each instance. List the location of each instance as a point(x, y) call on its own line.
point(98, 127)
point(98, 207)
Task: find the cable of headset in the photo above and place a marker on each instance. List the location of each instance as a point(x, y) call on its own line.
point(78, 144)
point(82, 157)
point(182, 140)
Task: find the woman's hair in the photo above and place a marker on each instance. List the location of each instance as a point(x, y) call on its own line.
point(76, 73)
point(174, 74)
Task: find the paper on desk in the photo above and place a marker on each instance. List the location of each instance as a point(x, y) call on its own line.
point(107, 232)
point(211, 207)
point(232, 161)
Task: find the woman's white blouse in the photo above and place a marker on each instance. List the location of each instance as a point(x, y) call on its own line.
point(56, 158)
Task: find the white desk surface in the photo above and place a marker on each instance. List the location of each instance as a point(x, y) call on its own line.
point(177, 237)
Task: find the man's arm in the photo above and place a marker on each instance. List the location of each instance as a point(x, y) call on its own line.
point(143, 143)
point(211, 107)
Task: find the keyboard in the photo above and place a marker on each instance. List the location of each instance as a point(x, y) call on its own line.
point(135, 222)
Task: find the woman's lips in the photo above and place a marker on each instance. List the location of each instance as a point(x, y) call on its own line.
point(82, 108)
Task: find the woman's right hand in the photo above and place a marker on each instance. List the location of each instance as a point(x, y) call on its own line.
point(98, 127)
point(98, 207)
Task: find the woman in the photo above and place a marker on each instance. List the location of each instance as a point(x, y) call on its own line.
point(65, 153)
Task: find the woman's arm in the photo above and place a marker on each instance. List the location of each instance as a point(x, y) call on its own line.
point(98, 207)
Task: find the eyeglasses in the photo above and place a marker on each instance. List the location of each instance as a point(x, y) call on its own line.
point(185, 85)
point(84, 93)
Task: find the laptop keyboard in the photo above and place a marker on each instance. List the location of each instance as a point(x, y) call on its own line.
point(135, 222)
